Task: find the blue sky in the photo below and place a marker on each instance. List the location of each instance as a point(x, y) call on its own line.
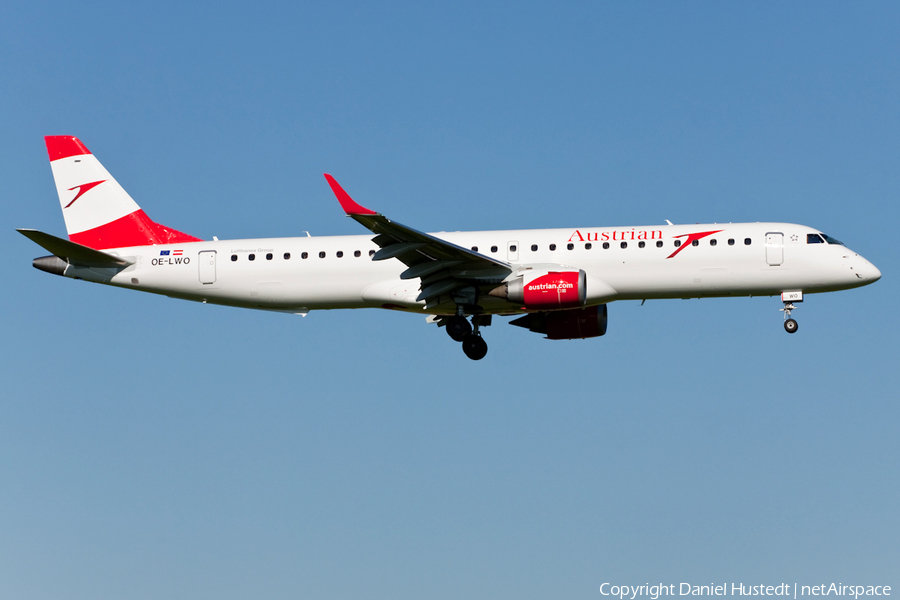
point(156, 448)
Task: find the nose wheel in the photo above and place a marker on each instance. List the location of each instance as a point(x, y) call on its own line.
point(790, 325)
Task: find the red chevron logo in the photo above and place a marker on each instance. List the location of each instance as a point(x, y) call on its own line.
point(84, 187)
point(691, 237)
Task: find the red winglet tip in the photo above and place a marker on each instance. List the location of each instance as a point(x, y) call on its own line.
point(64, 146)
point(350, 207)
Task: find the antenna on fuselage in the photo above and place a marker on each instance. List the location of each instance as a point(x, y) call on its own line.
point(668, 221)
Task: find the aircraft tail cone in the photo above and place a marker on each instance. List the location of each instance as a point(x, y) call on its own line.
point(50, 264)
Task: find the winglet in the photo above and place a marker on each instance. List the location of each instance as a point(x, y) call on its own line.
point(350, 207)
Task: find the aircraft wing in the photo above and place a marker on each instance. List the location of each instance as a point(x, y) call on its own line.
point(443, 267)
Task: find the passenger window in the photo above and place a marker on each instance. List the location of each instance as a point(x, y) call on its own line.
point(659, 244)
point(534, 247)
point(269, 256)
point(746, 241)
point(814, 238)
point(606, 245)
point(570, 246)
point(251, 257)
point(340, 254)
point(233, 257)
point(371, 253)
point(474, 248)
point(677, 243)
point(713, 242)
point(623, 245)
point(731, 241)
point(304, 255)
point(287, 256)
point(588, 246)
point(321, 255)
point(513, 248)
point(493, 248)
point(552, 246)
point(641, 244)
point(357, 253)
point(695, 243)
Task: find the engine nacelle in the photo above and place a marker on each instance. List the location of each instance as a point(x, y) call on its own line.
point(570, 324)
point(545, 289)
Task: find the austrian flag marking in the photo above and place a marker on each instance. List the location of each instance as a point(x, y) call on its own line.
point(171, 257)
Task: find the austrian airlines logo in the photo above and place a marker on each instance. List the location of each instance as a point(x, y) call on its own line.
point(84, 187)
point(691, 237)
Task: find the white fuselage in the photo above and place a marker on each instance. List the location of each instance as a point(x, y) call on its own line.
point(310, 273)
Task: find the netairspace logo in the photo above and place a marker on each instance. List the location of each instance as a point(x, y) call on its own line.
point(654, 592)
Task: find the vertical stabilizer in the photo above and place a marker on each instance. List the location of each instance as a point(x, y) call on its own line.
point(98, 212)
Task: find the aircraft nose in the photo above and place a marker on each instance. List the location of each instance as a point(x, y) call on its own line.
point(869, 271)
point(875, 273)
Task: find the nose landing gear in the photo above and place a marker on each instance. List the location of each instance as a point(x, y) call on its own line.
point(790, 325)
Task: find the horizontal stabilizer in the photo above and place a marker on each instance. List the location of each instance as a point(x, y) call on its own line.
point(74, 254)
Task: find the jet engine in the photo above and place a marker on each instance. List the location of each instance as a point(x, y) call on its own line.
point(545, 289)
point(577, 323)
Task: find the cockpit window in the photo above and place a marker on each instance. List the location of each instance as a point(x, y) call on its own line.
point(831, 240)
point(814, 238)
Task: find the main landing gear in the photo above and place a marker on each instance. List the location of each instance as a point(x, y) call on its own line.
point(474, 346)
point(460, 330)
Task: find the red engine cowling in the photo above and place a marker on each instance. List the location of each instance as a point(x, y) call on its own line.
point(542, 289)
point(566, 324)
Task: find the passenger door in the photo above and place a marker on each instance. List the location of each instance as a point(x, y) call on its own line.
point(774, 248)
point(207, 266)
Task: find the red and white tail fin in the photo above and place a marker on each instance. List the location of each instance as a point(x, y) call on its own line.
point(98, 212)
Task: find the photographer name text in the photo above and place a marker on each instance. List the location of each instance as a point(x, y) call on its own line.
point(654, 592)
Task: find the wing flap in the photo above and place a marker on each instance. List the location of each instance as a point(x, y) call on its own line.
point(437, 288)
point(395, 250)
point(425, 269)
